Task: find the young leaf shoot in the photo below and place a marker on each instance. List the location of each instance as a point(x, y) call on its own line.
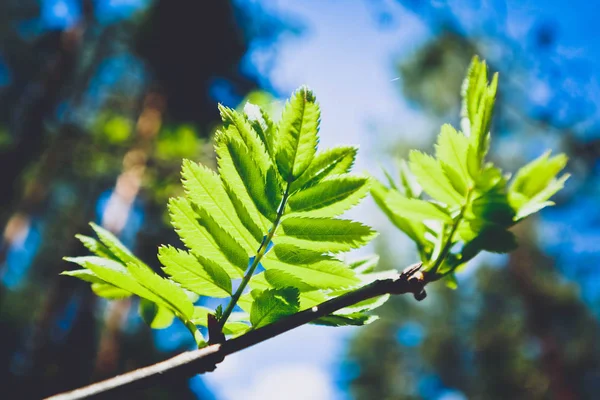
point(456, 204)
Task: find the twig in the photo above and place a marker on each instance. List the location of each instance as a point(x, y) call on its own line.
point(411, 280)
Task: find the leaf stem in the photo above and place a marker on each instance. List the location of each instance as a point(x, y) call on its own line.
point(264, 245)
point(200, 342)
point(448, 245)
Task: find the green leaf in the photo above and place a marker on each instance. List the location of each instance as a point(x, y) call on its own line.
point(540, 201)
point(470, 228)
point(357, 319)
point(235, 328)
point(415, 231)
point(263, 126)
point(535, 183)
point(251, 176)
point(114, 245)
point(109, 291)
point(83, 274)
point(244, 216)
point(278, 279)
point(229, 246)
point(99, 286)
point(330, 197)
point(115, 274)
point(478, 106)
point(96, 247)
point(298, 134)
point(365, 265)
point(391, 182)
point(273, 189)
point(313, 268)
point(450, 281)
point(456, 180)
point(273, 304)
point(233, 182)
point(155, 316)
point(325, 234)
point(452, 152)
point(408, 181)
point(493, 207)
point(200, 315)
point(169, 293)
point(204, 188)
point(196, 238)
point(311, 299)
point(335, 161)
point(415, 209)
point(451, 149)
point(470, 93)
point(238, 127)
point(433, 179)
point(489, 100)
point(537, 175)
point(480, 127)
point(199, 275)
point(84, 260)
point(369, 277)
point(363, 306)
point(494, 239)
point(490, 177)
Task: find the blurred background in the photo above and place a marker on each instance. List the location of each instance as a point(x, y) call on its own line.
point(101, 99)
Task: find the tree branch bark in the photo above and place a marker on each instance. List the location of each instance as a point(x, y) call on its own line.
point(190, 363)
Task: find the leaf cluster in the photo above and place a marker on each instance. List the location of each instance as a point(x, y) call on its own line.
point(268, 222)
point(265, 232)
point(455, 204)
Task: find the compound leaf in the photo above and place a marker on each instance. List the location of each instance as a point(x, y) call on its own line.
point(155, 316)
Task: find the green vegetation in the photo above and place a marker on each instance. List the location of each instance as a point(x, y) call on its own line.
point(470, 205)
point(270, 218)
point(274, 204)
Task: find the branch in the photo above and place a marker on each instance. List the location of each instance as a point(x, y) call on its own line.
point(190, 363)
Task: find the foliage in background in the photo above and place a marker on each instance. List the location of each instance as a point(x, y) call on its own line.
point(470, 204)
point(272, 207)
